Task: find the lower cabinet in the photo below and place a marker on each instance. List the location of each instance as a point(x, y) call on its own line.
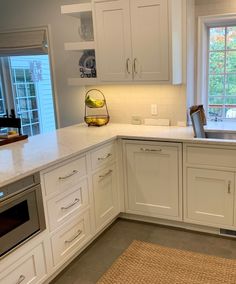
point(31, 268)
point(106, 202)
point(210, 196)
point(71, 237)
point(154, 179)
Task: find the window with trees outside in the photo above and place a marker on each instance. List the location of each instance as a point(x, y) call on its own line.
point(221, 72)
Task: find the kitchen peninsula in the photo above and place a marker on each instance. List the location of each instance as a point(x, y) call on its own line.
point(91, 175)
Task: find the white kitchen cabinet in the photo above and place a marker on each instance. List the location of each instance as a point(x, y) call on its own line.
point(134, 41)
point(70, 238)
point(106, 202)
point(102, 156)
point(65, 205)
point(209, 185)
point(30, 268)
point(150, 39)
point(210, 196)
point(113, 37)
point(153, 178)
point(64, 175)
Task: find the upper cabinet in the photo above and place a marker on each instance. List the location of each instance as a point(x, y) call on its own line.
point(134, 40)
point(126, 41)
point(112, 24)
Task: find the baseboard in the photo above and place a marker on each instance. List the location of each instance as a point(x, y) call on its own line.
point(169, 223)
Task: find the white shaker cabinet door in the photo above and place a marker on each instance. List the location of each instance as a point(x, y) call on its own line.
point(153, 180)
point(150, 39)
point(105, 196)
point(112, 23)
point(210, 197)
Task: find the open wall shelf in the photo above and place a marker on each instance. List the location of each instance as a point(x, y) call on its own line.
point(81, 60)
point(75, 10)
point(83, 45)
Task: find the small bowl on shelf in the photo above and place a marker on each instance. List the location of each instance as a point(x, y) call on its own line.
point(96, 120)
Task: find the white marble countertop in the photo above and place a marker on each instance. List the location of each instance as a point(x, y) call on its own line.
point(38, 152)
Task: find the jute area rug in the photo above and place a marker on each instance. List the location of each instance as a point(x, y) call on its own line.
point(149, 263)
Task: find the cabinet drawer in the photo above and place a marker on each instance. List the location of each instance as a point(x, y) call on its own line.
point(65, 176)
point(103, 155)
point(31, 268)
point(211, 156)
point(70, 238)
point(62, 207)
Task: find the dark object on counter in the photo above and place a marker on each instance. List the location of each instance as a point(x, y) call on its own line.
point(11, 122)
point(199, 108)
point(12, 139)
point(197, 125)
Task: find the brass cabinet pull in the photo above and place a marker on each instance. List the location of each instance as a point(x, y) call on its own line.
point(135, 66)
point(21, 279)
point(127, 66)
point(69, 175)
point(73, 238)
point(70, 205)
point(150, 150)
point(106, 174)
point(104, 158)
point(229, 187)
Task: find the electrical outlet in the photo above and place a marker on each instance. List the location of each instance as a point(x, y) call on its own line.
point(153, 109)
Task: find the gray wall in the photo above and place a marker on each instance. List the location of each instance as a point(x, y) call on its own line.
point(15, 14)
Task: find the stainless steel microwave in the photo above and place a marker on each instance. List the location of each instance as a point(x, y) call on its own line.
point(21, 212)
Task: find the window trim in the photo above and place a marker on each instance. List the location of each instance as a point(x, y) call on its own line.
point(204, 23)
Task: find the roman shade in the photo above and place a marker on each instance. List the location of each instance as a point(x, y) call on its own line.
point(23, 43)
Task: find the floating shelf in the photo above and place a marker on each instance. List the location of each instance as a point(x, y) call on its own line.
point(83, 45)
point(82, 81)
point(76, 9)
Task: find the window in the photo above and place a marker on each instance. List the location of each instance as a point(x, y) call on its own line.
point(26, 83)
point(222, 72)
point(216, 66)
point(2, 101)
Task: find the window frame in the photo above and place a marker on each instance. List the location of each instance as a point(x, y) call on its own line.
point(204, 23)
point(5, 75)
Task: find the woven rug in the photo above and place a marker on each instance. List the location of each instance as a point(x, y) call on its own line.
point(149, 263)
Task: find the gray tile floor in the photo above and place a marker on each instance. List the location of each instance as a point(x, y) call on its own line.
point(97, 258)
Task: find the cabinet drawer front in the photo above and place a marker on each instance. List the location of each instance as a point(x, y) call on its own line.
point(211, 156)
point(70, 238)
point(103, 155)
point(65, 176)
point(31, 268)
point(62, 207)
point(210, 196)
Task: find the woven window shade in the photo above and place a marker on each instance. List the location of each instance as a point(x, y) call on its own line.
point(23, 43)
